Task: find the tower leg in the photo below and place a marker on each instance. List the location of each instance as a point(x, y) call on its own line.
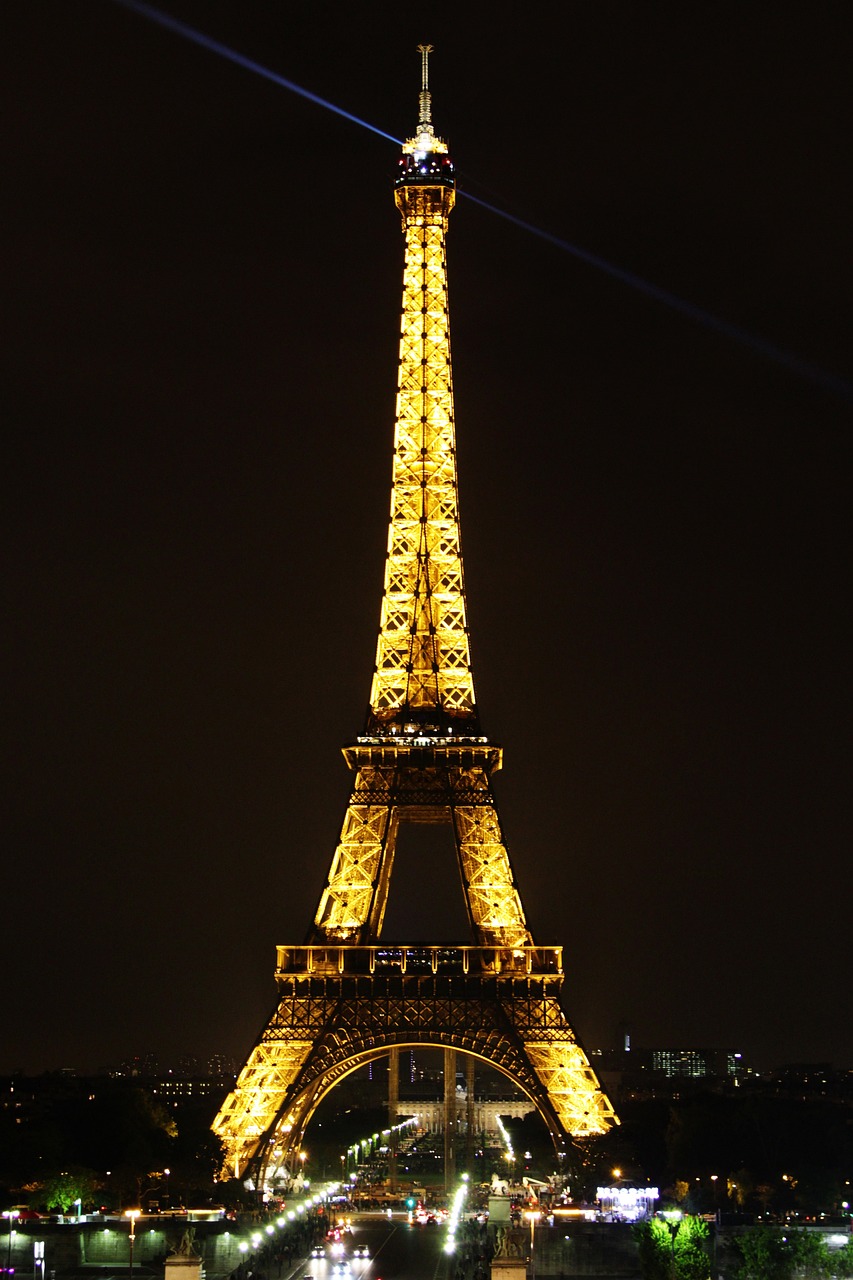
point(449, 1119)
point(393, 1116)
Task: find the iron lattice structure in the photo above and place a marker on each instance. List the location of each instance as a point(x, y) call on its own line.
point(344, 997)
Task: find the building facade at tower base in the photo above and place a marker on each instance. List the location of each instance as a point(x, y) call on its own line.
point(430, 1114)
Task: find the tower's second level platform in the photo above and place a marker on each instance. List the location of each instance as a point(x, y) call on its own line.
point(419, 750)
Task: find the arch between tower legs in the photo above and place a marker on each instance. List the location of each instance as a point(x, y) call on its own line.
point(316, 1038)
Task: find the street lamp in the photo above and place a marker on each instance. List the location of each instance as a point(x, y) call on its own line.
point(133, 1214)
point(532, 1216)
point(11, 1214)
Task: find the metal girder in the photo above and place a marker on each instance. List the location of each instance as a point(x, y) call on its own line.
point(352, 905)
point(252, 1108)
point(422, 656)
point(324, 1027)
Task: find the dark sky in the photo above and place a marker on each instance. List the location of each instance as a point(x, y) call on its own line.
point(203, 283)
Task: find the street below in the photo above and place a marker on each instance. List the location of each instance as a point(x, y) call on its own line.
point(397, 1250)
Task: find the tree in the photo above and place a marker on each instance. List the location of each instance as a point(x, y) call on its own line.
point(62, 1190)
point(739, 1187)
point(771, 1253)
point(842, 1261)
point(691, 1259)
point(654, 1245)
point(673, 1250)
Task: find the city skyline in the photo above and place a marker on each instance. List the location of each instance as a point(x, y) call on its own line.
point(655, 520)
point(425, 1061)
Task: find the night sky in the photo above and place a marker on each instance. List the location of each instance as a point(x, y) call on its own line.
point(202, 287)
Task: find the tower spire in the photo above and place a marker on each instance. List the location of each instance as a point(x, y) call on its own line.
point(425, 104)
point(423, 667)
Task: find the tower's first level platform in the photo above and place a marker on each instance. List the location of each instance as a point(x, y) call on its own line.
point(418, 960)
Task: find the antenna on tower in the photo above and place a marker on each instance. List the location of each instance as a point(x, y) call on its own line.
point(425, 111)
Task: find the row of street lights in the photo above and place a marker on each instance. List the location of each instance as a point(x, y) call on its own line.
point(286, 1220)
point(257, 1238)
point(38, 1247)
point(11, 1214)
point(132, 1215)
point(369, 1146)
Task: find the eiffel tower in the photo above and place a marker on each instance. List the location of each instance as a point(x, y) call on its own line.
point(346, 996)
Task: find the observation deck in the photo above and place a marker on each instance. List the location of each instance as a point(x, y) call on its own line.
point(418, 960)
point(425, 169)
point(423, 750)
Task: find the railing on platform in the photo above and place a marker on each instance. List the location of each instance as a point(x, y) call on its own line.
point(501, 962)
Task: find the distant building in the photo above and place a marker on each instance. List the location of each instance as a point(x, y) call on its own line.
point(143, 1064)
point(666, 1072)
point(811, 1080)
point(184, 1088)
point(148, 1067)
point(430, 1114)
point(697, 1063)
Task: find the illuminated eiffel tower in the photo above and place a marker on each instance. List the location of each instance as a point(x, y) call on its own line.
point(346, 996)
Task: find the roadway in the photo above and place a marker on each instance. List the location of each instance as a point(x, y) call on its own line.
point(398, 1250)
